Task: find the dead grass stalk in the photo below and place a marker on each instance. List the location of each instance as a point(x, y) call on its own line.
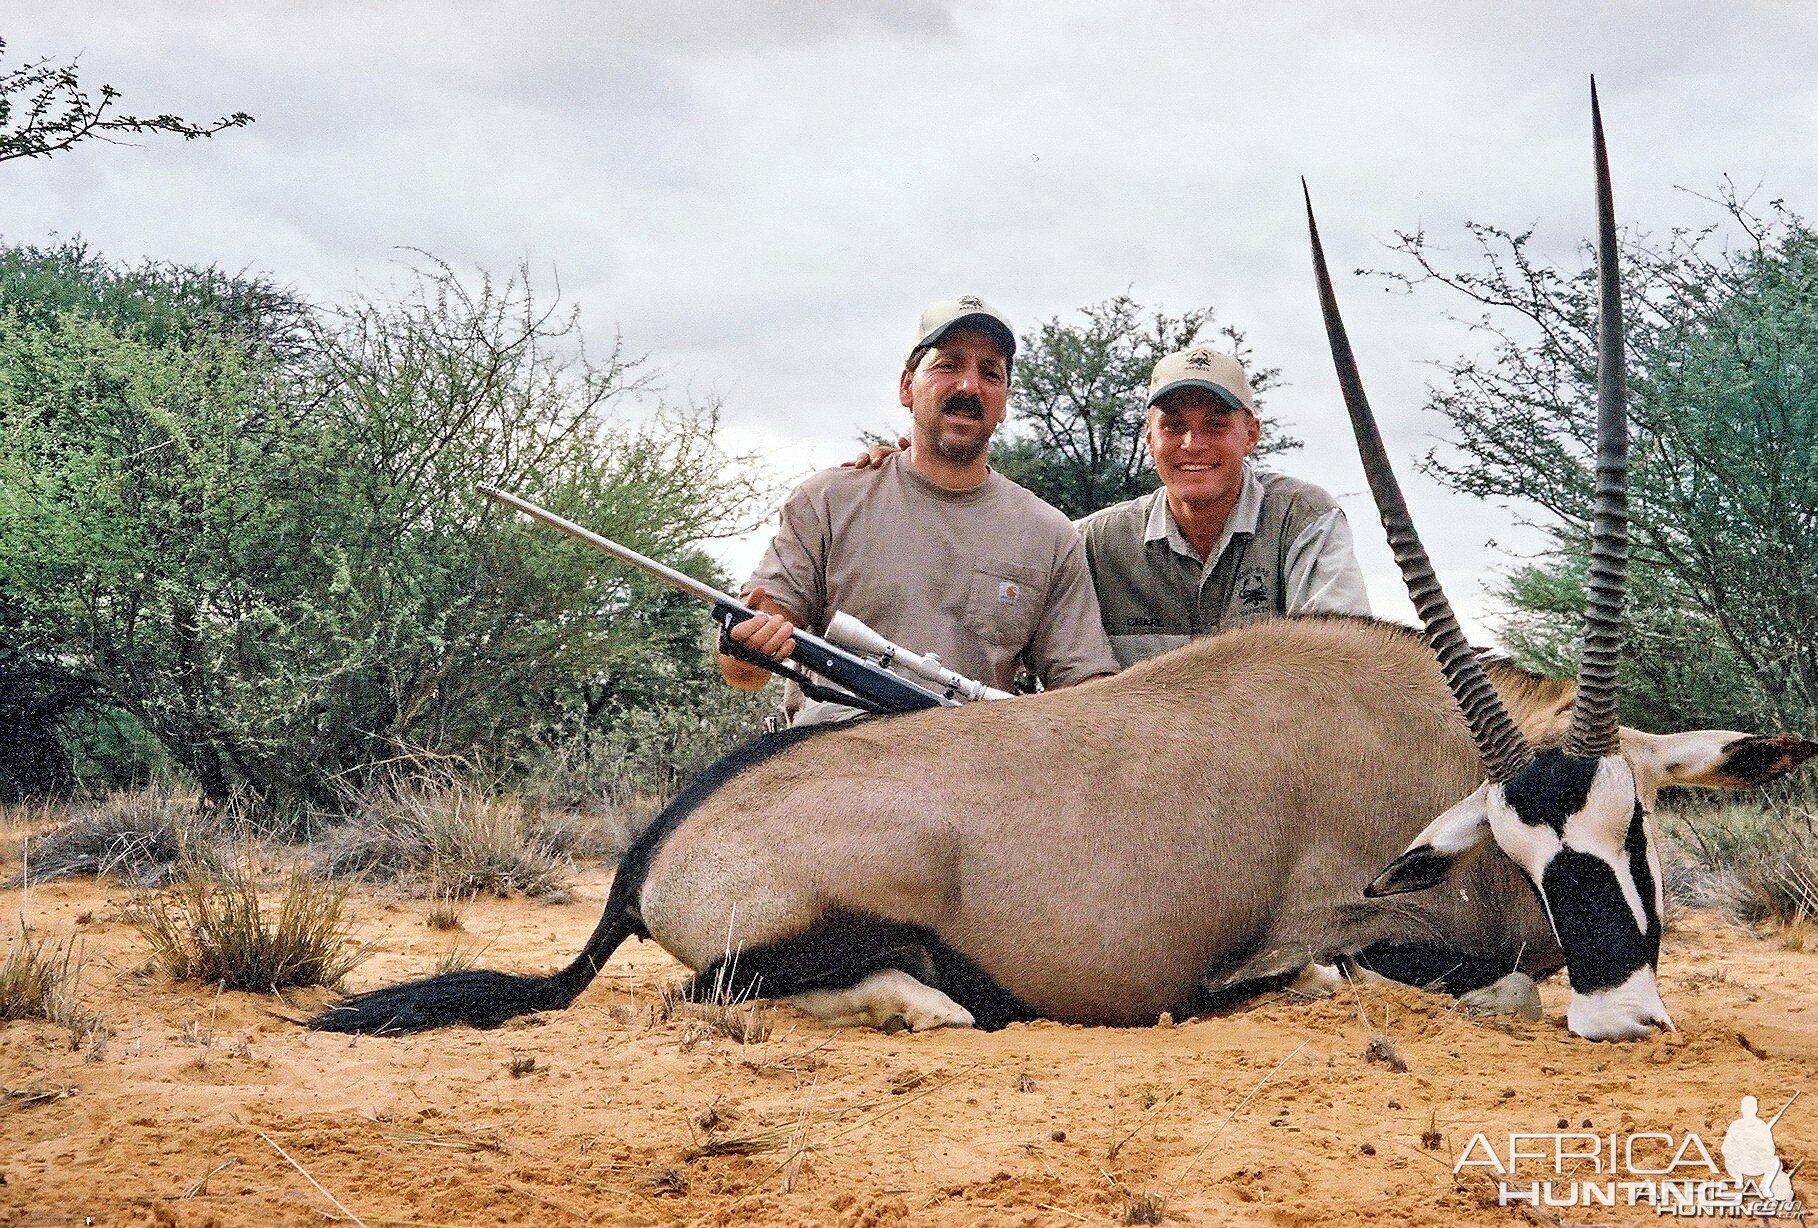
point(38, 980)
point(211, 928)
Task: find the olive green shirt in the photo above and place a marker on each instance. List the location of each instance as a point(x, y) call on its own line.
point(1286, 549)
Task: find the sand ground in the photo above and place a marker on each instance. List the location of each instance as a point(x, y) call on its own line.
point(213, 1108)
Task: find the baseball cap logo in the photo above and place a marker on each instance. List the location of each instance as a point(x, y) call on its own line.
point(972, 301)
point(1200, 359)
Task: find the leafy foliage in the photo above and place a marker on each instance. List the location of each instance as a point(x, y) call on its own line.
point(36, 693)
point(44, 110)
point(1075, 436)
point(252, 523)
point(1723, 356)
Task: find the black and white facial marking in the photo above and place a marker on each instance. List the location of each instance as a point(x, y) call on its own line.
point(1577, 828)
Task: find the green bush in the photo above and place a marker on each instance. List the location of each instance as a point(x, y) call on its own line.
point(250, 523)
point(1722, 346)
point(634, 758)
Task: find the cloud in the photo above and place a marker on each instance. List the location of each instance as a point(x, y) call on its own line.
point(762, 195)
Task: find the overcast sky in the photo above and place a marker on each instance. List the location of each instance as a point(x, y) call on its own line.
point(762, 196)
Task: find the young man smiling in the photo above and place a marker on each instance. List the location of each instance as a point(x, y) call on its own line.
point(1222, 542)
point(930, 547)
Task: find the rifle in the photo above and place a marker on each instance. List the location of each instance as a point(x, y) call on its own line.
point(862, 684)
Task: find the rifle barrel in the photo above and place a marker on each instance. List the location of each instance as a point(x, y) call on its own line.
point(625, 554)
point(865, 680)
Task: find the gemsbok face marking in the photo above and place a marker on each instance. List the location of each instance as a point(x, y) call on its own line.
point(1577, 829)
point(1572, 818)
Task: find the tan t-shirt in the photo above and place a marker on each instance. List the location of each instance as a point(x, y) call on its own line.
point(982, 578)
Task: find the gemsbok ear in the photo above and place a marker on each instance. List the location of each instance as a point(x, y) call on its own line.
point(1755, 759)
point(1714, 758)
point(1438, 847)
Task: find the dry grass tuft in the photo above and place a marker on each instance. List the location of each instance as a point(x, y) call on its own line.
point(445, 911)
point(211, 928)
point(1756, 861)
point(718, 1014)
point(1381, 1049)
point(1144, 1208)
point(38, 980)
point(90, 1035)
point(458, 958)
point(457, 841)
point(1799, 934)
point(21, 821)
point(668, 1183)
point(139, 838)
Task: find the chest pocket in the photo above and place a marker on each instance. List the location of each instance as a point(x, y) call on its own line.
point(1004, 602)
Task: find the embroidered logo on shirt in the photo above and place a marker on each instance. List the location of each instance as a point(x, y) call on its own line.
point(1252, 592)
point(1008, 591)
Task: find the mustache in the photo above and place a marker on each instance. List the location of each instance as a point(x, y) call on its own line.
point(964, 403)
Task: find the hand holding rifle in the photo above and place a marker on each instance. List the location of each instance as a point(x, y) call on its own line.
point(771, 633)
point(761, 634)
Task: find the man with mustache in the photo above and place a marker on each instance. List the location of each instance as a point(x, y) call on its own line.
point(1222, 542)
point(930, 547)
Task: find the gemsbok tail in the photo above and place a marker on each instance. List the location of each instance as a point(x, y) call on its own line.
point(486, 999)
point(479, 998)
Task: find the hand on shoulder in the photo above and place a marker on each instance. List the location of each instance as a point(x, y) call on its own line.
point(874, 456)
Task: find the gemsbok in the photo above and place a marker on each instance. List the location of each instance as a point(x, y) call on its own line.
point(1209, 822)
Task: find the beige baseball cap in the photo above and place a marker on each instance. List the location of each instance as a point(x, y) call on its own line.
point(969, 311)
point(1203, 367)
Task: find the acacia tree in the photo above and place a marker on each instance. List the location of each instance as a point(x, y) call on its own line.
point(1723, 356)
point(44, 110)
point(1081, 387)
point(266, 546)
